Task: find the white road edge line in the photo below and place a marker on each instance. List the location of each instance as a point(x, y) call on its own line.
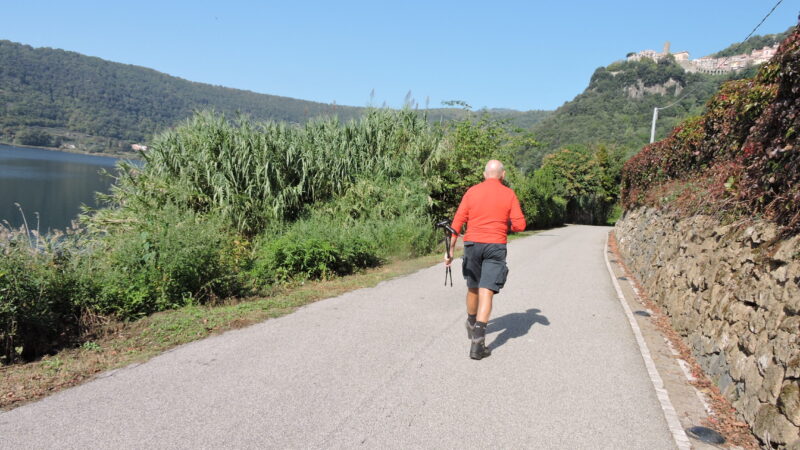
point(674, 424)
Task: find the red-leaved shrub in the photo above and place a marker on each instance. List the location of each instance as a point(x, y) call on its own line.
point(745, 147)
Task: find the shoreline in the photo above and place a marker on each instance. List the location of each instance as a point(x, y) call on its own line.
point(134, 155)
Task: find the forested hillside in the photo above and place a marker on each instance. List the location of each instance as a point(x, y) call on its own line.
point(616, 109)
point(43, 87)
point(754, 43)
point(50, 97)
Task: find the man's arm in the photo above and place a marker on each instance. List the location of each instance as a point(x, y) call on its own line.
point(448, 259)
point(461, 218)
point(462, 214)
point(516, 216)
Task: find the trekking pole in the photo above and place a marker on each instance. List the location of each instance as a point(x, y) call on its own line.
point(448, 232)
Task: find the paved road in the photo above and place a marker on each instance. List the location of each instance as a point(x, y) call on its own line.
point(388, 367)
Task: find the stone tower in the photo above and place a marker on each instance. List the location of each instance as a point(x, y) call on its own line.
point(666, 48)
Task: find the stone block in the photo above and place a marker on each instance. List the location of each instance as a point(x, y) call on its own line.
point(781, 274)
point(747, 406)
point(793, 366)
point(772, 383)
point(785, 347)
point(761, 296)
point(793, 269)
point(747, 267)
point(724, 340)
point(739, 312)
point(773, 318)
point(788, 250)
point(771, 426)
point(721, 231)
point(737, 361)
point(791, 298)
point(789, 401)
point(696, 343)
point(726, 385)
point(752, 378)
point(754, 343)
point(757, 323)
point(790, 324)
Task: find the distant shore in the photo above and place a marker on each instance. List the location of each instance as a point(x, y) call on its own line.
point(132, 155)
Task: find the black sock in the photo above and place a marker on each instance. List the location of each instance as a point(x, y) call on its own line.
point(471, 318)
point(480, 329)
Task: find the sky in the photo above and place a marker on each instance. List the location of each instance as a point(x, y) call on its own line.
point(505, 54)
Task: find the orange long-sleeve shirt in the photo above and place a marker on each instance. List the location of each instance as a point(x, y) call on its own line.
point(486, 208)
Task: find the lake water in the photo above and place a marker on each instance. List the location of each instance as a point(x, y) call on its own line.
point(54, 184)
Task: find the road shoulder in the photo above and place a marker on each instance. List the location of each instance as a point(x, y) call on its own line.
point(680, 399)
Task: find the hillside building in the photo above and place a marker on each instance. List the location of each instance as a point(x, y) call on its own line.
point(707, 64)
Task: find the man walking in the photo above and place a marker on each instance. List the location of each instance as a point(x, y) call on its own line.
point(487, 209)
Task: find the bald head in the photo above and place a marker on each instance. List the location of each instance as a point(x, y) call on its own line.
point(494, 169)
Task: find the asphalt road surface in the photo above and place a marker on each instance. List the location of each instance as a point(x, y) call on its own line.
point(388, 367)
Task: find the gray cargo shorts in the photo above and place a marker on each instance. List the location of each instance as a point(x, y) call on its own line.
point(484, 265)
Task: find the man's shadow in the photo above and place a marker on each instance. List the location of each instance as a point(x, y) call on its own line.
point(514, 325)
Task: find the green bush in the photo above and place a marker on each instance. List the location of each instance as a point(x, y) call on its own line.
point(375, 220)
point(540, 196)
point(164, 260)
point(392, 214)
point(167, 260)
point(294, 256)
point(37, 138)
point(37, 286)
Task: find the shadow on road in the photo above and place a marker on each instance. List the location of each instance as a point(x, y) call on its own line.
point(514, 325)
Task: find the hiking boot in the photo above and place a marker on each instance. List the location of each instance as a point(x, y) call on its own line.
point(478, 349)
point(470, 330)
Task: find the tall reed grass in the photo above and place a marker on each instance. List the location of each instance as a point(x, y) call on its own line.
point(255, 174)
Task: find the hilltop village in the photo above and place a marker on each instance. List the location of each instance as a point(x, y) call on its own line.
point(708, 64)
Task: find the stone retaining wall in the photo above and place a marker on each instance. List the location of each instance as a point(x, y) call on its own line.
point(733, 292)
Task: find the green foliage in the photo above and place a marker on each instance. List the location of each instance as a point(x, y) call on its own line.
point(47, 87)
point(168, 259)
point(293, 256)
point(374, 221)
point(257, 174)
point(470, 144)
point(541, 198)
point(394, 214)
point(37, 138)
point(516, 119)
point(37, 313)
point(321, 200)
point(754, 43)
point(616, 108)
point(588, 180)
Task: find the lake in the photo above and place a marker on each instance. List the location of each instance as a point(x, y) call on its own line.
point(54, 184)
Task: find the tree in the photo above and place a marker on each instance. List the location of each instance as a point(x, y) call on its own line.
point(36, 138)
point(589, 181)
point(469, 145)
